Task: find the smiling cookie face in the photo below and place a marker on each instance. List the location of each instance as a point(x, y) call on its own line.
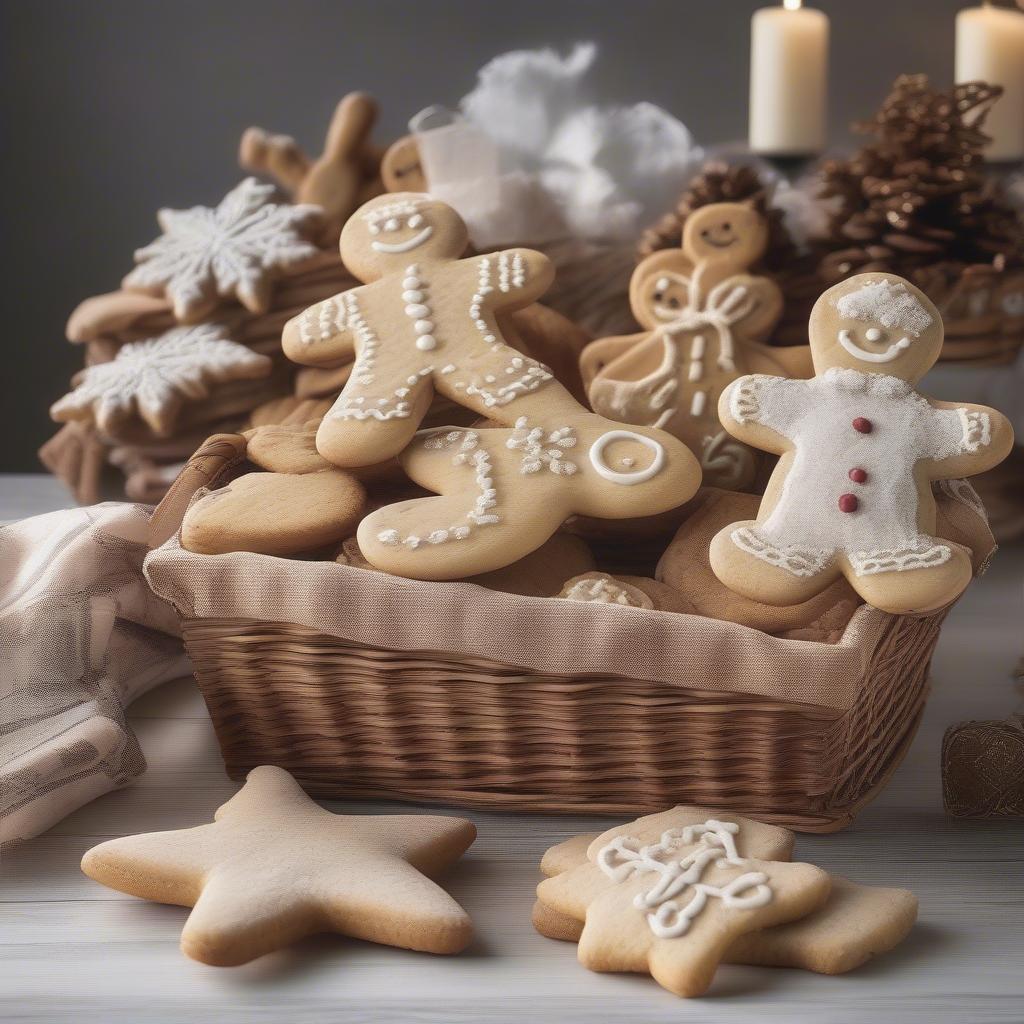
point(387, 232)
point(733, 232)
point(876, 323)
point(659, 290)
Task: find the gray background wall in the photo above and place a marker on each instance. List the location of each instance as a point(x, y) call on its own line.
point(111, 108)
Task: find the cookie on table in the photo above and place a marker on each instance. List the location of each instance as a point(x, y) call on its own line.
point(856, 923)
point(275, 514)
point(502, 492)
point(274, 867)
point(667, 895)
point(860, 448)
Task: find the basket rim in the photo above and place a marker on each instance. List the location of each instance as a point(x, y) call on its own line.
point(675, 649)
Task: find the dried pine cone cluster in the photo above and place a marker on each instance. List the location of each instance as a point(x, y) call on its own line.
point(721, 183)
point(916, 195)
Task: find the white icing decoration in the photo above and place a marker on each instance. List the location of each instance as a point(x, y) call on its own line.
point(627, 479)
point(410, 243)
point(467, 452)
point(599, 591)
point(531, 442)
point(154, 376)
point(805, 531)
point(229, 250)
point(889, 304)
point(894, 351)
point(677, 879)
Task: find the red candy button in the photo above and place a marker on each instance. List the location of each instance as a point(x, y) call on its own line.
point(862, 425)
point(858, 475)
point(848, 502)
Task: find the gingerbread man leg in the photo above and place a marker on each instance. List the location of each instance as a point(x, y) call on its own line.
point(906, 590)
point(750, 565)
point(350, 434)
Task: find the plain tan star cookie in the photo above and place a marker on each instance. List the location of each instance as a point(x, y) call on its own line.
point(275, 867)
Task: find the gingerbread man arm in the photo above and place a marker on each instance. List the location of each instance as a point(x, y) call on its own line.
point(514, 277)
point(325, 334)
point(963, 440)
point(764, 411)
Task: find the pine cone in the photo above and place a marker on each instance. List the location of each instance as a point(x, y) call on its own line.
point(917, 194)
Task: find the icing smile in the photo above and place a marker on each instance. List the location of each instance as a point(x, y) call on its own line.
point(892, 352)
point(410, 243)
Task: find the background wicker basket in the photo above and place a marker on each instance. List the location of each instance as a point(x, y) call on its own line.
point(368, 685)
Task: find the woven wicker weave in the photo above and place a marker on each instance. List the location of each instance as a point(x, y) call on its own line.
point(496, 701)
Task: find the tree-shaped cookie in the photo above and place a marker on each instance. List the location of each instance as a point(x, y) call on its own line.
point(860, 448)
point(704, 318)
point(503, 492)
point(425, 321)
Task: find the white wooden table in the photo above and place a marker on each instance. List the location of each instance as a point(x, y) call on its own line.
point(73, 950)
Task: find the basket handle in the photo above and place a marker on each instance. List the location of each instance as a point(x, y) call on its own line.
point(214, 457)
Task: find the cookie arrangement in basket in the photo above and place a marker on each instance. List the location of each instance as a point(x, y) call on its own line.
point(456, 507)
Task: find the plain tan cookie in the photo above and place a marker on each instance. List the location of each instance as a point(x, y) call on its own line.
point(859, 451)
point(856, 923)
point(667, 896)
point(285, 449)
point(275, 514)
point(275, 867)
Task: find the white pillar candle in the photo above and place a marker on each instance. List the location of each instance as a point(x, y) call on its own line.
point(788, 80)
point(990, 48)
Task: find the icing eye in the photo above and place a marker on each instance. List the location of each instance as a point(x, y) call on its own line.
point(658, 296)
point(674, 303)
point(662, 284)
point(727, 226)
point(374, 229)
point(415, 220)
point(873, 334)
point(391, 224)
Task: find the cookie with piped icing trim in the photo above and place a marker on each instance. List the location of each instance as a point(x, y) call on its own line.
point(856, 923)
point(705, 318)
point(668, 894)
point(623, 591)
point(274, 867)
point(502, 492)
point(859, 450)
point(275, 514)
point(425, 321)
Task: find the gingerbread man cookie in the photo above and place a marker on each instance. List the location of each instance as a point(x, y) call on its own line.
point(704, 318)
point(859, 448)
point(424, 322)
point(504, 492)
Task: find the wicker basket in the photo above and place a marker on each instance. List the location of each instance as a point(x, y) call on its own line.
point(367, 685)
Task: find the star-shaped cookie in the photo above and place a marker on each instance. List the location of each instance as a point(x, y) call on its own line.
point(274, 867)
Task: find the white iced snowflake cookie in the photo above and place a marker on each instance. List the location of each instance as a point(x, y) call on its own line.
point(425, 321)
point(234, 250)
point(153, 378)
point(502, 492)
point(860, 449)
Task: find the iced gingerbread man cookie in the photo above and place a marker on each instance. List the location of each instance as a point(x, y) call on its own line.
point(704, 318)
point(503, 492)
point(859, 448)
point(425, 321)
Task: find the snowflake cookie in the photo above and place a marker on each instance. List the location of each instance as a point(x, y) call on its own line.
point(234, 250)
point(851, 495)
point(155, 377)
